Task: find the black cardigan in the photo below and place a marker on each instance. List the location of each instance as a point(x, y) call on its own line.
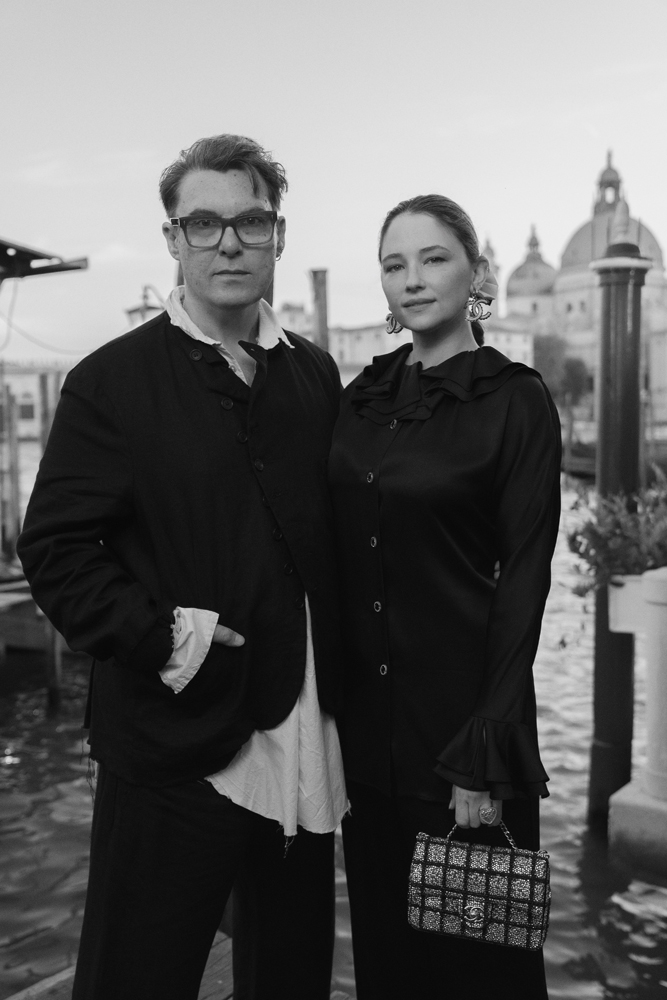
point(436, 476)
point(167, 481)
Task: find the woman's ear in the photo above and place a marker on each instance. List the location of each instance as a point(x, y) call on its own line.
point(481, 271)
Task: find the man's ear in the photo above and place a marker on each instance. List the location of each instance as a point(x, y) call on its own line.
point(171, 236)
point(281, 226)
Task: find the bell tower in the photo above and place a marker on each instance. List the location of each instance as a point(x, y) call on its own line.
point(609, 189)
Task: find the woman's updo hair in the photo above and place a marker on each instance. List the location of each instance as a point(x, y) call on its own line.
point(450, 214)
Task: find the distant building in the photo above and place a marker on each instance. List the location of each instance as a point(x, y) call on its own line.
point(352, 348)
point(568, 301)
point(542, 299)
point(36, 388)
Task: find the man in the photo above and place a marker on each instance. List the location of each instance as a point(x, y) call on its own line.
point(179, 533)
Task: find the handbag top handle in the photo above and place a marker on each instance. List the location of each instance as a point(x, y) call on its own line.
point(502, 827)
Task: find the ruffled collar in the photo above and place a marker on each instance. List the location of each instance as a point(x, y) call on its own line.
point(388, 389)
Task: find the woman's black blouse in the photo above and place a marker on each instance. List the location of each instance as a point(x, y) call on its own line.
point(439, 477)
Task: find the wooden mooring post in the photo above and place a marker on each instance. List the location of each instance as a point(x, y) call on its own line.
point(9, 446)
point(622, 271)
point(321, 309)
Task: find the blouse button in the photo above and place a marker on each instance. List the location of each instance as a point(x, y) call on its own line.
point(383, 669)
point(369, 477)
point(227, 403)
point(392, 425)
point(374, 541)
point(242, 437)
point(259, 465)
point(196, 355)
point(377, 606)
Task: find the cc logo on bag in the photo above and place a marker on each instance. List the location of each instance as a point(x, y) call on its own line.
point(473, 916)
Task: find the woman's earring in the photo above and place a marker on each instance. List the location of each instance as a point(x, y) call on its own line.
point(393, 326)
point(475, 308)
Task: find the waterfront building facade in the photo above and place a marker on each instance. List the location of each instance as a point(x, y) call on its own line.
point(35, 385)
point(567, 301)
point(352, 348)
point(542, 299)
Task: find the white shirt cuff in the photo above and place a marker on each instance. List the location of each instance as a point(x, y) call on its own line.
point(193, 631)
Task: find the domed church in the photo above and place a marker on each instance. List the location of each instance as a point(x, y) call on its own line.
point(568, 301)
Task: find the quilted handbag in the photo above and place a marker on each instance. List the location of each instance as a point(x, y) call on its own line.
point(496, 894)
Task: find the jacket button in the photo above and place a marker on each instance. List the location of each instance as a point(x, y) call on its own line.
point(392, 425)
point(369, 477)
point(288, 569)
point(259, 465)
point(374, 541)
point(299, 603)
point(383, 669)
point(227, 403)
point(241, 436)
point(277, 534)
point(196, 354)
point(377, 606)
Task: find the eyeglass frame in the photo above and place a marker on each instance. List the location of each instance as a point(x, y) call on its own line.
point(183, 220)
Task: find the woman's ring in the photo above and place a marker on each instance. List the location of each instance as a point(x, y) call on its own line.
point(487, 814)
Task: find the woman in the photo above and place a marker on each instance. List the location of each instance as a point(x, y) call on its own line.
point(445, 478)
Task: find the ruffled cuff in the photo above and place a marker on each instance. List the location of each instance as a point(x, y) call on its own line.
point(499, 757)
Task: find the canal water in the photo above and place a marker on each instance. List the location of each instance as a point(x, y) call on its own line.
point(608, 935)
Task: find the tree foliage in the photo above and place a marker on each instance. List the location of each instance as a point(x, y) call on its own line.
point(566, 378)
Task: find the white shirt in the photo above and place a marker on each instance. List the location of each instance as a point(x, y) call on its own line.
point(293, 773)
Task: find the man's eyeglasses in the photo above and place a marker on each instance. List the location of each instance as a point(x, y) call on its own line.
point(206, 231)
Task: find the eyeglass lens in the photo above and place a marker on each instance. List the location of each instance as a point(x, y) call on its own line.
point(249, 229)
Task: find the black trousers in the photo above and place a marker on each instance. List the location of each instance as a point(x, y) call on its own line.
point(163, 863)
point(391, 960)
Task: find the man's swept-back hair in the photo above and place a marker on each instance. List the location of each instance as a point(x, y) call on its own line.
point(224, 152)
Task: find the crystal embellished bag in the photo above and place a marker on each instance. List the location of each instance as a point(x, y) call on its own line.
point(481, 893)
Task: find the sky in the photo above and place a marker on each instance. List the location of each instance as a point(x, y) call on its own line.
point(508, 108)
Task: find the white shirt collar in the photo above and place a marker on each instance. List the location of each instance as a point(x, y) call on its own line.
point(270, 331)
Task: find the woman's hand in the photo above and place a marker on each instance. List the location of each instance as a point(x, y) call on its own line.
point(467, 805)
point(227, 637)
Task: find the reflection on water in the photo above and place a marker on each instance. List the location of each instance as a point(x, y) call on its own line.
point(45, 811)
point(608, 936)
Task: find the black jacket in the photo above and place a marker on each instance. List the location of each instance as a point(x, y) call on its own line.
point(167, 481)
point(436, 477)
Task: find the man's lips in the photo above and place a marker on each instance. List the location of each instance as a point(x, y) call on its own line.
point(225, 273)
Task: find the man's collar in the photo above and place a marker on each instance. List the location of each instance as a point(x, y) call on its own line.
point(270, 331)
